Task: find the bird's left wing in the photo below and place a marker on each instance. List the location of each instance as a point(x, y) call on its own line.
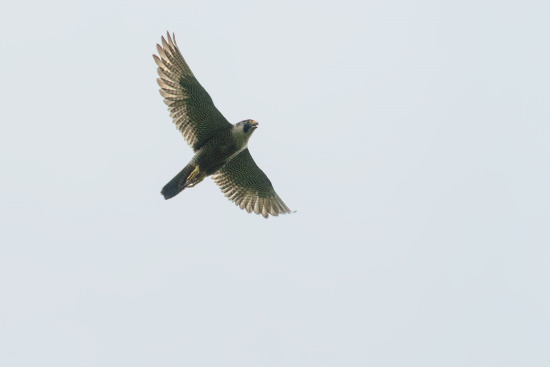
point(190, 105)
point(244, 183)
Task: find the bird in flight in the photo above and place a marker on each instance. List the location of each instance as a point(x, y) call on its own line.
point(221, 148)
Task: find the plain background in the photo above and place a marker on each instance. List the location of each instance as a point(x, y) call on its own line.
point(412, 138)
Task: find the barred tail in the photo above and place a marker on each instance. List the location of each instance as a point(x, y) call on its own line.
point(178, 183)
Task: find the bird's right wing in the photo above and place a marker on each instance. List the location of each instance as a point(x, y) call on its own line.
point(244, 183)
point(190, 105)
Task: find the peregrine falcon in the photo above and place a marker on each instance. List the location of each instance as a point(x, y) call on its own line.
point(220, 147)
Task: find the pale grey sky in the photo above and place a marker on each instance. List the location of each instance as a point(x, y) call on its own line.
point(411, 137)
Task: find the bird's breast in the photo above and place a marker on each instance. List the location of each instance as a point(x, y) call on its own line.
point(212, 157)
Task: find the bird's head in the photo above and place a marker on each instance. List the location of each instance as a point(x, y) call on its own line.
point(247, 126)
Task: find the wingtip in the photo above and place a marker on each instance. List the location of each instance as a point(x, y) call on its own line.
point(169, 37)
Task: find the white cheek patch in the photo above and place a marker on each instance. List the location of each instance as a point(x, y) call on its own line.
point(241, 138)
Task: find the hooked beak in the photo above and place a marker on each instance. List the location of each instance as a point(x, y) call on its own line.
point(254, 124)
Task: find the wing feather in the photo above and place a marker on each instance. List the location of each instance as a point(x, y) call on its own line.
point(244, 183)
point(191, 107)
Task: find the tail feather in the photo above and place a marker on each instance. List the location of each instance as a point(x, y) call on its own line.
point(178, 183)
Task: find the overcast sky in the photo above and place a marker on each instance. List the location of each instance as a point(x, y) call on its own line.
point(412, 138)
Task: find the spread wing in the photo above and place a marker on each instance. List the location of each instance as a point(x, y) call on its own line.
point(243, 182)
point(190, 106)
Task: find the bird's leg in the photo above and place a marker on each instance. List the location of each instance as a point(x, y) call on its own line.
point(195, 177)
point(194, 173)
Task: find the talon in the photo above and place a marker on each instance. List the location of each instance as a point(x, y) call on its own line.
point(194, 174)
point(195, 177)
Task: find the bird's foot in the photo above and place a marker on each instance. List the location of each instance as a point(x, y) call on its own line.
point(195, 177)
